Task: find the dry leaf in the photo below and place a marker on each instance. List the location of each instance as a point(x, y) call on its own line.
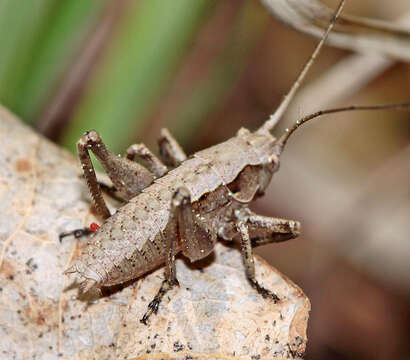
point(214, 314)
point(351, 32)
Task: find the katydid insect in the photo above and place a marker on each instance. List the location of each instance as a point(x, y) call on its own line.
point(185, 204)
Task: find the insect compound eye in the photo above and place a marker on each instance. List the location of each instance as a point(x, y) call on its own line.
point(274, 164)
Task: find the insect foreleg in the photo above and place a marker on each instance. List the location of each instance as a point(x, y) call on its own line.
point(170, 151)
point(154, 164)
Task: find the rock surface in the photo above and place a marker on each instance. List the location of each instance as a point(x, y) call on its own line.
point(214, 314)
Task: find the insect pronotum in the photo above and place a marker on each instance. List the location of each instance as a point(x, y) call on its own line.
point(183, 204)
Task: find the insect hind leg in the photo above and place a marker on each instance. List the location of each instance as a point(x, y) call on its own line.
point(128, 177)
point(195, 240)
point(179, 200)
point(153, 306)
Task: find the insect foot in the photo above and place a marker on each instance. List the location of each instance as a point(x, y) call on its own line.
point(249, 262)
point(77, 233)
point(153, 306)
point(264, 292)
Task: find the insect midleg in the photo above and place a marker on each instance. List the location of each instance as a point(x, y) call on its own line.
point(141, 151)
point(169, 149)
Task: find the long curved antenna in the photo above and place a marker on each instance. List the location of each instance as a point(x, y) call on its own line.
point(275, 117)
point(280, 144)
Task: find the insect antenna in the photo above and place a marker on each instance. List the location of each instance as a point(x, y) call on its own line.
point(280, 144)
point(275, 117)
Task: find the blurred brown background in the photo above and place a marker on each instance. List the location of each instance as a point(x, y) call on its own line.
point(206, 68)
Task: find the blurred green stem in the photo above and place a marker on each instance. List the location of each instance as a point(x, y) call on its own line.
point(20, 25)
point(147, 46)
point(58, 43)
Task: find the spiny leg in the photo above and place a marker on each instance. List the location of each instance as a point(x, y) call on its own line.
point(265, 230)
point(169, 149)
point(256, 230)
point(154, 164)
point(249, 262)
point(129, 177)
point(110, 190)
point(170, 234)
point(94, 187)
point(195, 240)
point(91, 178)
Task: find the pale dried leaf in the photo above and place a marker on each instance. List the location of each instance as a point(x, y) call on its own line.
point(352, 32)
point(214, 314)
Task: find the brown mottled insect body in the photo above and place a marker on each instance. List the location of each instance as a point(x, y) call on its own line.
point(219, 180)
point(188, 207)
point(184, 210)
